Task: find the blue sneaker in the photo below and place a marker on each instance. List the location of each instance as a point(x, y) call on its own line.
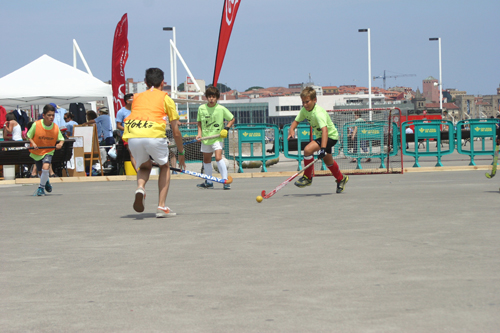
point(48, 187)
point(227, 186)
point(40, 192)
point(206, 185)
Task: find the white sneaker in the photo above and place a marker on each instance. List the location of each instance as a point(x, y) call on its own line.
point(140, 196)
point(164, 212)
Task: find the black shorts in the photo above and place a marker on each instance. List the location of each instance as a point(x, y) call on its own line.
point(329, 144)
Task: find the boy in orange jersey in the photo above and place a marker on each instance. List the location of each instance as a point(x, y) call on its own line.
point(44, 133)
point(326, 137)
point(146, 136)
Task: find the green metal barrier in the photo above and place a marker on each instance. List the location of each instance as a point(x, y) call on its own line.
point(303, 135)
point(481, 129)
point(252, 134)
point(426, 130)
point(371, 141)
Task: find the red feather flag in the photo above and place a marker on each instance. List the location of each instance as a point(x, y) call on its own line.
point(118, 61)
point(226, 26)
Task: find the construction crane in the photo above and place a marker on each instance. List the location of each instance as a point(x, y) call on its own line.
point(391, 76)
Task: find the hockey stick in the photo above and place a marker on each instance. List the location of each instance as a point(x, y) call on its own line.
point(24, 148)
point(495, 163)
point(280, 186)
point(229, 179)
point(194, 140)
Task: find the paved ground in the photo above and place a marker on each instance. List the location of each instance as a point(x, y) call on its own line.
point(394, 253)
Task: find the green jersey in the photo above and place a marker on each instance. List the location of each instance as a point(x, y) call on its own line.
point(212, 121)
point(318, 118)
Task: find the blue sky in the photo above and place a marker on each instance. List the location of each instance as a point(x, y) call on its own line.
point(274, 42)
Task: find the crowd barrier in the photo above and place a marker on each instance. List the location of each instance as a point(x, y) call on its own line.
point(481, 129)
point(254, 134)
point(374, 140)
point(303, 137)
point(427, 131)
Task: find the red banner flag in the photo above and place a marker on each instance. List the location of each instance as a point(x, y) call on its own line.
point(119, 59)
point(226, 26)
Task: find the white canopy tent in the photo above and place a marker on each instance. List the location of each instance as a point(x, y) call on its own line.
point(46, 80)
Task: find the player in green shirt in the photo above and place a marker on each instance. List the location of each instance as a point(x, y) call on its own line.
point(326, 134)
point(210, 119)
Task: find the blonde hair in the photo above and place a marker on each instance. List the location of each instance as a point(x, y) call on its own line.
point(308, 92)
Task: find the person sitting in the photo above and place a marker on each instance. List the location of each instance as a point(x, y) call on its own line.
point(70, 123)
point(104, 128)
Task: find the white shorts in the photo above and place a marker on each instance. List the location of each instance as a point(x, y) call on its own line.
point(211, 148)
point(142, 148)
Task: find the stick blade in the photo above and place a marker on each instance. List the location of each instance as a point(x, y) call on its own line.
point(229, 180)
point(263, 194)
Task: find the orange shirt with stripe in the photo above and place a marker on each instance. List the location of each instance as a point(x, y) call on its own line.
point(151, 110)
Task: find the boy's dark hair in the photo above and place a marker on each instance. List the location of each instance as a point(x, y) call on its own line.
point(127, 97)
point(91, 115)
point(154, 77)
point(357, 113)
point(10, 116)
point(308, 92)
point(212, 91)
point(70, 115)
point(48, 108)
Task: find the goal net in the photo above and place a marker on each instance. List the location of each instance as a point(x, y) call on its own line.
point(368, 141)
point(193, 154)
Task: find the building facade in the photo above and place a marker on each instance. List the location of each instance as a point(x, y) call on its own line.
point(430, 90)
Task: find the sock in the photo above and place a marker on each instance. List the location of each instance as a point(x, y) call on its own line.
point(222, 168)
point(335, 170)
point(208, 170)
point(44, 178)
point(309, 171)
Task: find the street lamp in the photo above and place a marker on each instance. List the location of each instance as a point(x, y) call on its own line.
point(369, 68)
point(173, 64)
point(440, 74)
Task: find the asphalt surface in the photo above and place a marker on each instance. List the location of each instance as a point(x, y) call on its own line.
point(416, 252)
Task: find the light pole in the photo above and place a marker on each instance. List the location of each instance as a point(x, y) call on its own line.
point(369, 68)
point(440, 75)
point(173, 64)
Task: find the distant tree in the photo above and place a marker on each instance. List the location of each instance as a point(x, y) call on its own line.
point(254, 88)
point(180, 87)
point(222, 87)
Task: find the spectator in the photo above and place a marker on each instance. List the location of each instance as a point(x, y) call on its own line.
point(70, 123)
point(59, 115)
point(12, 129)
point(104, 129)
point(120, 122)
point(124, 112)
